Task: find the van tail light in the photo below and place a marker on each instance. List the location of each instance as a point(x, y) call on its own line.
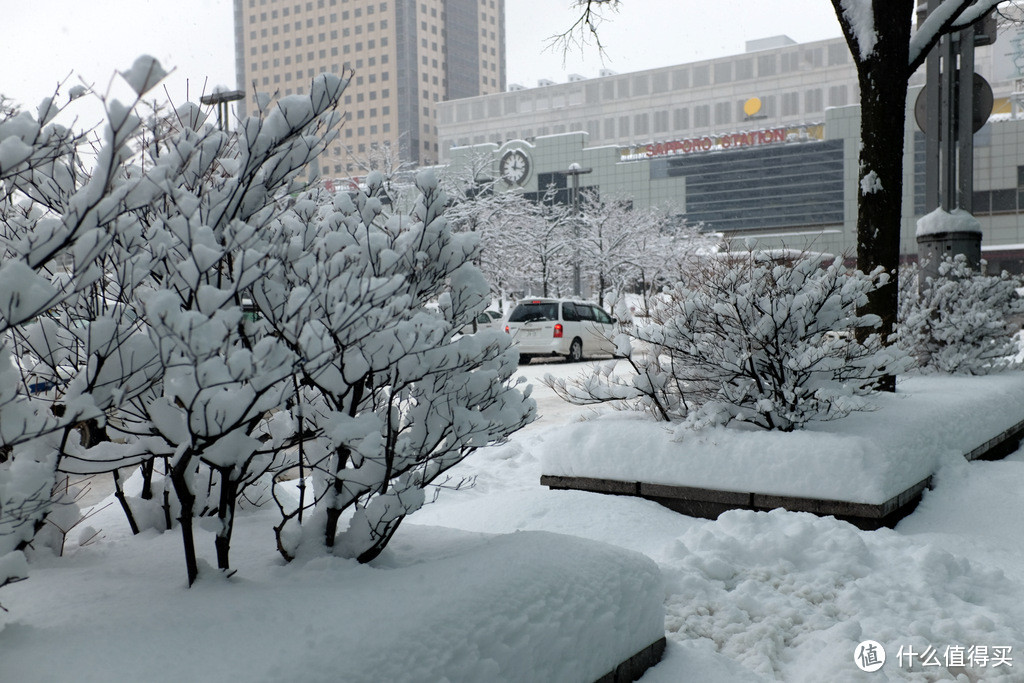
point(558, 330)
point(506, 330)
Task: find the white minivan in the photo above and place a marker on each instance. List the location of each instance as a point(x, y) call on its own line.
point(560, 327)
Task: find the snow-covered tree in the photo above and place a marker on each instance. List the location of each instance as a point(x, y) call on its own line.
point(523, 244)
point(886, 49)
point(621, 247)
point(505, 224)
point(612, 242)
point(386, 159)
point(753, 338)
point(534, 245)
point(887, 52)
point(392, 394)
point(222, 378)
point(962, 321)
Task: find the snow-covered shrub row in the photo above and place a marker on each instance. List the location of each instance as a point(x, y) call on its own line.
point(188, 300)
point(962, 321)
point(750, 338)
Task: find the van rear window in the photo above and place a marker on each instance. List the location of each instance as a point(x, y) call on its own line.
point(529, 313)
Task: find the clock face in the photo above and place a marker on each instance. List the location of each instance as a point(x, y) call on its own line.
point(514, 167)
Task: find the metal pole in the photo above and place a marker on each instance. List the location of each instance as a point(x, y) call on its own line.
point(575, 170)
point(933, 123)
point(221, 100)
point(965, 121)
point(576, 284)
point(948, 127)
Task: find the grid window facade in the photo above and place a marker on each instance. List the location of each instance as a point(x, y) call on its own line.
point(768, 187)
point(441, 49)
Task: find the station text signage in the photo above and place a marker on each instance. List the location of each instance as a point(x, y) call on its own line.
point(710, 143)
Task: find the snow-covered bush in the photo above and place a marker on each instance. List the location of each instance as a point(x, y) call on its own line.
point(961, 322)
point(188, 299)
point(391, 394)
point(58, 221)
point(754, 339)
point(222, 378)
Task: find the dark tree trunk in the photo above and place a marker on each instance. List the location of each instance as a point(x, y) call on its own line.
point(226, 514)
point(188, 503)
point(147, 479)
point(883, 78)
point(335, 510)
point(123, 500)
point(381, 542)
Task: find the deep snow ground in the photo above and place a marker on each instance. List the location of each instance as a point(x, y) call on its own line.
point(781, 595)
point(749, 597)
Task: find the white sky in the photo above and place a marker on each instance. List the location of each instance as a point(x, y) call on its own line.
point(43, 41)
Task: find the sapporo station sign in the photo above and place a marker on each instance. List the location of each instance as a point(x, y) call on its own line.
point(711, 143)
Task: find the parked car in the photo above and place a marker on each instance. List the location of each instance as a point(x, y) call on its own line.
point(487, 320)
point(560, 327)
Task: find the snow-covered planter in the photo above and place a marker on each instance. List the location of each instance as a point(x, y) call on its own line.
point(443, 604)
point(866, 458)
point(754, 339)
point(959, 322)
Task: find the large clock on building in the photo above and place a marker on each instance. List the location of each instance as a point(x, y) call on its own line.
point(514, 167)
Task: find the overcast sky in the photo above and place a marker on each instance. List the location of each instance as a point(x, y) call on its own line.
point(44, 40)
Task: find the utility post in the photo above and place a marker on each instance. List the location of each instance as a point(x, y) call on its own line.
point(575, 171)
point(954, 104)
point(220, 99)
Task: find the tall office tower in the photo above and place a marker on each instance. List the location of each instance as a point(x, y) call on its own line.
point(407, 55)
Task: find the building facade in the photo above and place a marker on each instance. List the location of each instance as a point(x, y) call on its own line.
point(761, 147)
point(407, 57)
point(776, 82)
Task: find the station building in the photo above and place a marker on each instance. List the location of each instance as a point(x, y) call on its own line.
point(760, 146)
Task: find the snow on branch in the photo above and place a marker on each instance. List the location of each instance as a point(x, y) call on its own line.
point(948, 16)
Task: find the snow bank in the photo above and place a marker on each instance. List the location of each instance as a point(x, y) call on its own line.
point(863, 458)
point(789, 596)
point(939, 221)
point(439, 605)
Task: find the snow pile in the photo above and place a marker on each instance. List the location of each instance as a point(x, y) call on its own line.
point(862, 458)
point(444, 605)
point(790, 596)
point(939, 221)
point(145, 73)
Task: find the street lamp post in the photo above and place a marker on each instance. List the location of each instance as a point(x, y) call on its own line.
point(575, 171)
point(221, 99)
